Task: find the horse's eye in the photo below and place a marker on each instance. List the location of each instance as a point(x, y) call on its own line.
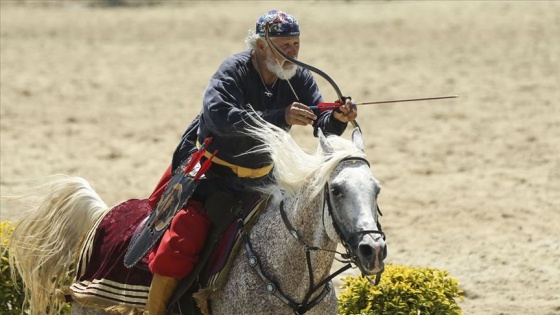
point(336, 191)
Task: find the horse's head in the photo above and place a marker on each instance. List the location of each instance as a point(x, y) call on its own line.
point(351, 198)
point(350, 190)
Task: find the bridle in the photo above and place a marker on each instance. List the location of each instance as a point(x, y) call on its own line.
point(308, 303)
point(346, 241)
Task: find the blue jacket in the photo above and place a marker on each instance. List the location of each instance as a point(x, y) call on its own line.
point(225, 109)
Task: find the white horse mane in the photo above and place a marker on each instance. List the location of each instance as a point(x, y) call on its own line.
point(294, 169)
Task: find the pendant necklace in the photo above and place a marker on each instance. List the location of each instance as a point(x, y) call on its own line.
point(267, 93)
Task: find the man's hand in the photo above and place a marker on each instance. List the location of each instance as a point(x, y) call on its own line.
point(299, 114)
point(346, 112)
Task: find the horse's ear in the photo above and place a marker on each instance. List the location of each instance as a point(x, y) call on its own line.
point(358, 139)
point(324, 143)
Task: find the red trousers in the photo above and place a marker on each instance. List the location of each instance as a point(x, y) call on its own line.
point(180, 246)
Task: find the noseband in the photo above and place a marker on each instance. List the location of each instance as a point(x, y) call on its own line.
point(307, 304)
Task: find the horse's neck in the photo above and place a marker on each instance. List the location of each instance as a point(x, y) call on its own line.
point(306, 218)
point(283, 256)
point(282, 260)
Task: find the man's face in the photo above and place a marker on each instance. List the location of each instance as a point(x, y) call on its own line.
point(278, 64)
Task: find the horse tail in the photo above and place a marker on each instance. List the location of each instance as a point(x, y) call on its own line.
point(44, 244)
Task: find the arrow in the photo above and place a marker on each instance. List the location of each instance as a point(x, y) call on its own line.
point(330, 106)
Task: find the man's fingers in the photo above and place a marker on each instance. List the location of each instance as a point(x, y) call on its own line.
point(303, 114)
point(299, 114)
point(347, 113)
point(303, 120)
point(304, 111)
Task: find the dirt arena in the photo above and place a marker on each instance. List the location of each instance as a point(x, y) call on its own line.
point(470, 185)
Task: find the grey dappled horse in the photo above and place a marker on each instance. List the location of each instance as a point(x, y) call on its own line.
point(321, 199)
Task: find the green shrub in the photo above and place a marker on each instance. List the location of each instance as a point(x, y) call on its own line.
point(11, 299)
point(402, 291)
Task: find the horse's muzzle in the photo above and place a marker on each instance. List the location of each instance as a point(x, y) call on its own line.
point(371, 253)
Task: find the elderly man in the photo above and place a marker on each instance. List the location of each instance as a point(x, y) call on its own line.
point(257, 81)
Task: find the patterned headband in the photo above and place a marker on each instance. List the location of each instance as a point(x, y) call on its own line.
point(279, 24)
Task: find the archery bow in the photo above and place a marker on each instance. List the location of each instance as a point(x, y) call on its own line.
point(341, 98)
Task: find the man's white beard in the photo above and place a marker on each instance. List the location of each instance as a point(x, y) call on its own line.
point(281, 73)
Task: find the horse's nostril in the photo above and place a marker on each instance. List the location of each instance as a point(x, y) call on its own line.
point(384, 251)
point(366, 250)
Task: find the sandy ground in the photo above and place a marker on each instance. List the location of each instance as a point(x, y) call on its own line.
point(470, 185)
